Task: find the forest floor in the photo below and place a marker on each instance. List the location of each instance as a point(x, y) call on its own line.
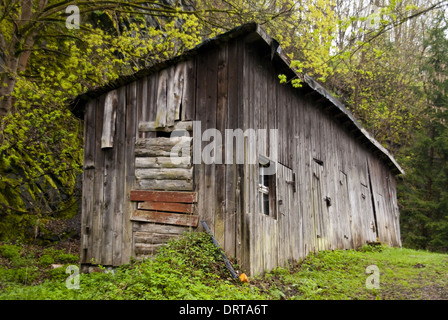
point(192, 269)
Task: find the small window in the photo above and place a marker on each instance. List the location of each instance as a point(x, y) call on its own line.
point(266, 187)
point(163, 134)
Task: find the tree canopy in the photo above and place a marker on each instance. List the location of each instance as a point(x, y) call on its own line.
point(385, 59)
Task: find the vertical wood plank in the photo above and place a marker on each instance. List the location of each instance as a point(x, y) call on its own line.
point(110, 110)
point(130, 137)
point(189, 91)
point(210, 123)
point(299, 165)
point(170, 96)
point(161, 102)
point(392, 184)
point(231, 168)
point(142, 102)
point(120, 180)
point(88, 182)
point(221, 124)
point(152, 101)
point(178, 88)
point(109, 195)
point(305, 176)
point(97, 215)
point(139, 104)
point(243, 243)
point(251, 246)
point(200, 94)
point(289, 128)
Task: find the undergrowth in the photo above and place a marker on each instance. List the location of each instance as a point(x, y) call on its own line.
point(191, 267)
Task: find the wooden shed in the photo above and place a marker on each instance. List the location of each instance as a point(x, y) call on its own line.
point(276, 172)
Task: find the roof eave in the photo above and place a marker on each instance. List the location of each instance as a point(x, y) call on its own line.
point(257, 33)
point(314, 85)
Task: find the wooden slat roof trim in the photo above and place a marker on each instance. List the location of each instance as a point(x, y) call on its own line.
point(255, 33)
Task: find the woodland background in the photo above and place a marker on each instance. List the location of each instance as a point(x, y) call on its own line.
point(386, 60)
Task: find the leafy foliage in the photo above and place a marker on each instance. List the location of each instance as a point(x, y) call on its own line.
point(41, 141)
point(190, 267)
point(424, 191)
point(25, 265)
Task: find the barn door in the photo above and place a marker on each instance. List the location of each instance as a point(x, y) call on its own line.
point(381, 221)
point(285, 190)
point(368, 218)
point(317, 207)
point(344, 215)
point(376, 209)
point(286, 215)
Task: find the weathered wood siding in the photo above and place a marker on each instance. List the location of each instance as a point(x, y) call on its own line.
point(108, 177)
point(123, 153)
point(345, 195)
point(331, 190)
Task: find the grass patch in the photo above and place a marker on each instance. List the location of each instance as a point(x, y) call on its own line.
point(341, 275)
point(192, 268)
point(187, 268)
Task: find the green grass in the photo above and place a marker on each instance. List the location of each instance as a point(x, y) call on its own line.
point(188, 268)
point(341, 275)
point(192, 268)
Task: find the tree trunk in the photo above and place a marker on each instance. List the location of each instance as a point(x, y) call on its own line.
point(14, 61)
point(9, 79)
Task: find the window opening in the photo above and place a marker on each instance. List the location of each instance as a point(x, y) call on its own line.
point(266, 187)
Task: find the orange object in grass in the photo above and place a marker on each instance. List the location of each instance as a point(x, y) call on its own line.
point(244, 278)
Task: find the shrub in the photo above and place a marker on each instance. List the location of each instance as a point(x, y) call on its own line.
point(194, 250)
point(372, 248)
point(46, 260)
point(67, 258)
point(24, 275)
point(60, 256)
point(57, 274)
point(10, 251)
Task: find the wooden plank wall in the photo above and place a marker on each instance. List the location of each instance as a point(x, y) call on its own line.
point(114, 137)
point(219, 186)
point(165, 101)
point(108, 174)
point(341, 185)
point(385, 199)
point(234, 86)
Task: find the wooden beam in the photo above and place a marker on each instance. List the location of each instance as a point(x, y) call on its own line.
point(162, 147)
point(164, 173)
point(165, 218)
point(152, 237)
point(166, 206)
point(163, 162)
point(163, 196)
point(165, 185)
point(148, 143)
